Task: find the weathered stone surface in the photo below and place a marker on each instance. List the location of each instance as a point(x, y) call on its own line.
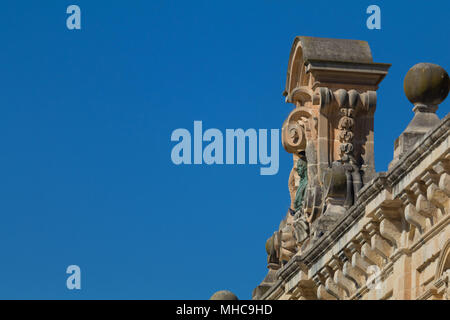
point(427, 84)
point(375, 236)
point(265, 285)
point(331, 83)
point(338, 50)
point(223, 295)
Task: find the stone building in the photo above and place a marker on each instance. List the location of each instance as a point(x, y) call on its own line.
point(352, 233)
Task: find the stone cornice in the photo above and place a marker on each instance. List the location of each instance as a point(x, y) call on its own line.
point(383, 181)
point(423, 148)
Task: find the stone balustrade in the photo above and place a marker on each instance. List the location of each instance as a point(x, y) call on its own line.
point(390, 243)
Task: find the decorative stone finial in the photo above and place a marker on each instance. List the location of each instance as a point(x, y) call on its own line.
point(223, 295)
point(426, 85)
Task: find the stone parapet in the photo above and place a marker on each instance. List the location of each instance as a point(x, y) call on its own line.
point(352, 233)
point(400, 222)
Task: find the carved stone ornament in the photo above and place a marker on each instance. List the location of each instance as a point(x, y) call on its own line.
point(332, 85)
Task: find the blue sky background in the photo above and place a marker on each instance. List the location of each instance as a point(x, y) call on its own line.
point(85, 124)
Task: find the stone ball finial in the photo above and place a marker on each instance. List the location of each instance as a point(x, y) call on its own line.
point(223, 295)
point(426, 84)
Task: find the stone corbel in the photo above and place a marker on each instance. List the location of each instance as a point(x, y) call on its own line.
point(369, 255)
point(351, 271)
point(377, 243)
point(391, 224)
point(423, 206)
point(444, 183)
point(361, 260)
point(301, 287)
point(354, 274)
point(344, 283)
point(334, 289)
point(331, 288)
point(412, 216)
point(435, 194)
point(307, 290)
point(381, 246)
point(392, 231)
point(360, 264)
point(442, 168)
point(323, 294)
point(372, 256)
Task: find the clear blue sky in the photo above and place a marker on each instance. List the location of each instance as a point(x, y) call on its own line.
point(85, 124)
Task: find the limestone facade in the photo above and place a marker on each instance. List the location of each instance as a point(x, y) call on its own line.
point(352, 233)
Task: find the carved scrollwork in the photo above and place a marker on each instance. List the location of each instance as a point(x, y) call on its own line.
point(294, 139)
point(293, 136)
point(288, 243)
point(326, 97)
point(301, 94)
point(273, 245)
point(347, 102)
